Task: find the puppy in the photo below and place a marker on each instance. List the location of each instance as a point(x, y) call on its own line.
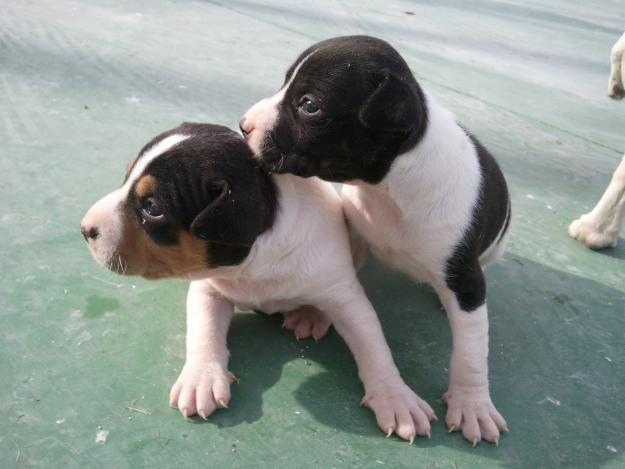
point(195, 204)
point(420, 190)
point(600, 227)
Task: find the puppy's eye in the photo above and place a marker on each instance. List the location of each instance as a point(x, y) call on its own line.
point(308, 106)
point(152, 210)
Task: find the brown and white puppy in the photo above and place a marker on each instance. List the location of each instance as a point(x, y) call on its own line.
point(421, 191)
point(600, 228)
point(196, 205)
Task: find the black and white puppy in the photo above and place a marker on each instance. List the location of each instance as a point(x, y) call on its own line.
point(196, 205)
point(422, 192)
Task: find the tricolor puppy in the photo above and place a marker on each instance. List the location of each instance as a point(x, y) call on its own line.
point(422, 192)
point(196, 205)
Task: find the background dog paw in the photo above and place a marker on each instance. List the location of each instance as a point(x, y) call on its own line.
point(475, 415)
point(307, 321)
point(399, 410)
point(586, 231)
point(200, 390)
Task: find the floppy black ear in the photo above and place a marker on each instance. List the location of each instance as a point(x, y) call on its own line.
point(229, 219)
point(393, 106)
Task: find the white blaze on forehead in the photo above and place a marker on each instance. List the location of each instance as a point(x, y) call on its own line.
point(264, 114)
point(105, 214)
point(150, 155)
point(299, 65)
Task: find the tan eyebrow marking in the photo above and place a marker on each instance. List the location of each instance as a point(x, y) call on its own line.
point(145, 186)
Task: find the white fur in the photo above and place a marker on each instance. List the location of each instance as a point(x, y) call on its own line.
point(600, 227)
point(304, 260)
point(105, 213)
point(412, 221)
point(616, 82)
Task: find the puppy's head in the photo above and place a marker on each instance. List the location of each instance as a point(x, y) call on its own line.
point(192, 200)
point(347, 108)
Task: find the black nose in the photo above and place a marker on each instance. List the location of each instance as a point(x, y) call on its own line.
point(89, 233)
point(241, 124)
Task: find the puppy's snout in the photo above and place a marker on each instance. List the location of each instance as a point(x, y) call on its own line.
point(245, 126)
point(89, 232)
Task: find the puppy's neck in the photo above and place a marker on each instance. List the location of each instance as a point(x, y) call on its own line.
point(443, 162)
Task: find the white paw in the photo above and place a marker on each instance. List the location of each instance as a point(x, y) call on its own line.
point(475, 415)
point(307, 321)
point(615, 88)
point(397, 409)
point(587, 231)
point(200, 390)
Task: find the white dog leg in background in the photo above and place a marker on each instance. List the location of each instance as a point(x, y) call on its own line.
point(397, 408)
point(600, 228)
point(204, 383)
point(616, 83)
point(469, 406)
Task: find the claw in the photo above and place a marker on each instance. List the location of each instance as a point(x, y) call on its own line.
point(222, 403)
point(411, 439)
point(497, 442)
point(506, 429)
point(434, 418)
point(429, 435)
point(185, 412)
point(389, 432)
point(451, 428)
point(202, 413)
point(475, 442)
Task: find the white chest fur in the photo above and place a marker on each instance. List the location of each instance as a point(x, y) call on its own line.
point(417, 215)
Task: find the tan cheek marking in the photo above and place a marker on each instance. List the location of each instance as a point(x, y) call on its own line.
point(151, 260)
point(145, 186)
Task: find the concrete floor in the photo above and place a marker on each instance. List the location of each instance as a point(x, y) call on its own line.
point(84, 84)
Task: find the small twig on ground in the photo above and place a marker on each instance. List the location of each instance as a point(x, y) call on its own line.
point(139, 411)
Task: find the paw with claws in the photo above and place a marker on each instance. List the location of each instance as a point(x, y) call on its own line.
point(399, 410)
point(594, 234)
point(307, 321)
point(475, 415)
point(201, 389)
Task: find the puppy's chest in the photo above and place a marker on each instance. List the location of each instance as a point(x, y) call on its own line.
point(398, 240)
point(267, 296)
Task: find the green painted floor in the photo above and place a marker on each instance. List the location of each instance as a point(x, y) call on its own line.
point(84, 84)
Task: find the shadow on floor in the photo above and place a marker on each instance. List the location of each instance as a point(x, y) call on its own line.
point(556, 363)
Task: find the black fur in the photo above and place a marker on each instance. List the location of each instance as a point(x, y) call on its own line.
point(371, 110)
point(210, 186)
point(491, 217)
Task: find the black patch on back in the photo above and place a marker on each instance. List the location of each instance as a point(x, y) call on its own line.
point(491, 213)
point(210, 186)
point(372, 110)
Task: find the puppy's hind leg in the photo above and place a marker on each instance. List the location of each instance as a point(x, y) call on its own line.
point(307, 321)
point(601, 226)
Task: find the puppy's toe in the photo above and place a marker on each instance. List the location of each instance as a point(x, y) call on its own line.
point(475, 415)
point(307, 321)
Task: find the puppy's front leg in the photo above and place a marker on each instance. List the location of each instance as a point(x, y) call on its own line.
point(204, 383)
point(469, 406)
point(397, 408)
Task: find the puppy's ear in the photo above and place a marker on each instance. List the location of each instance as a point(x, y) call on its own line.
point(228, 219)
point(392, 107)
